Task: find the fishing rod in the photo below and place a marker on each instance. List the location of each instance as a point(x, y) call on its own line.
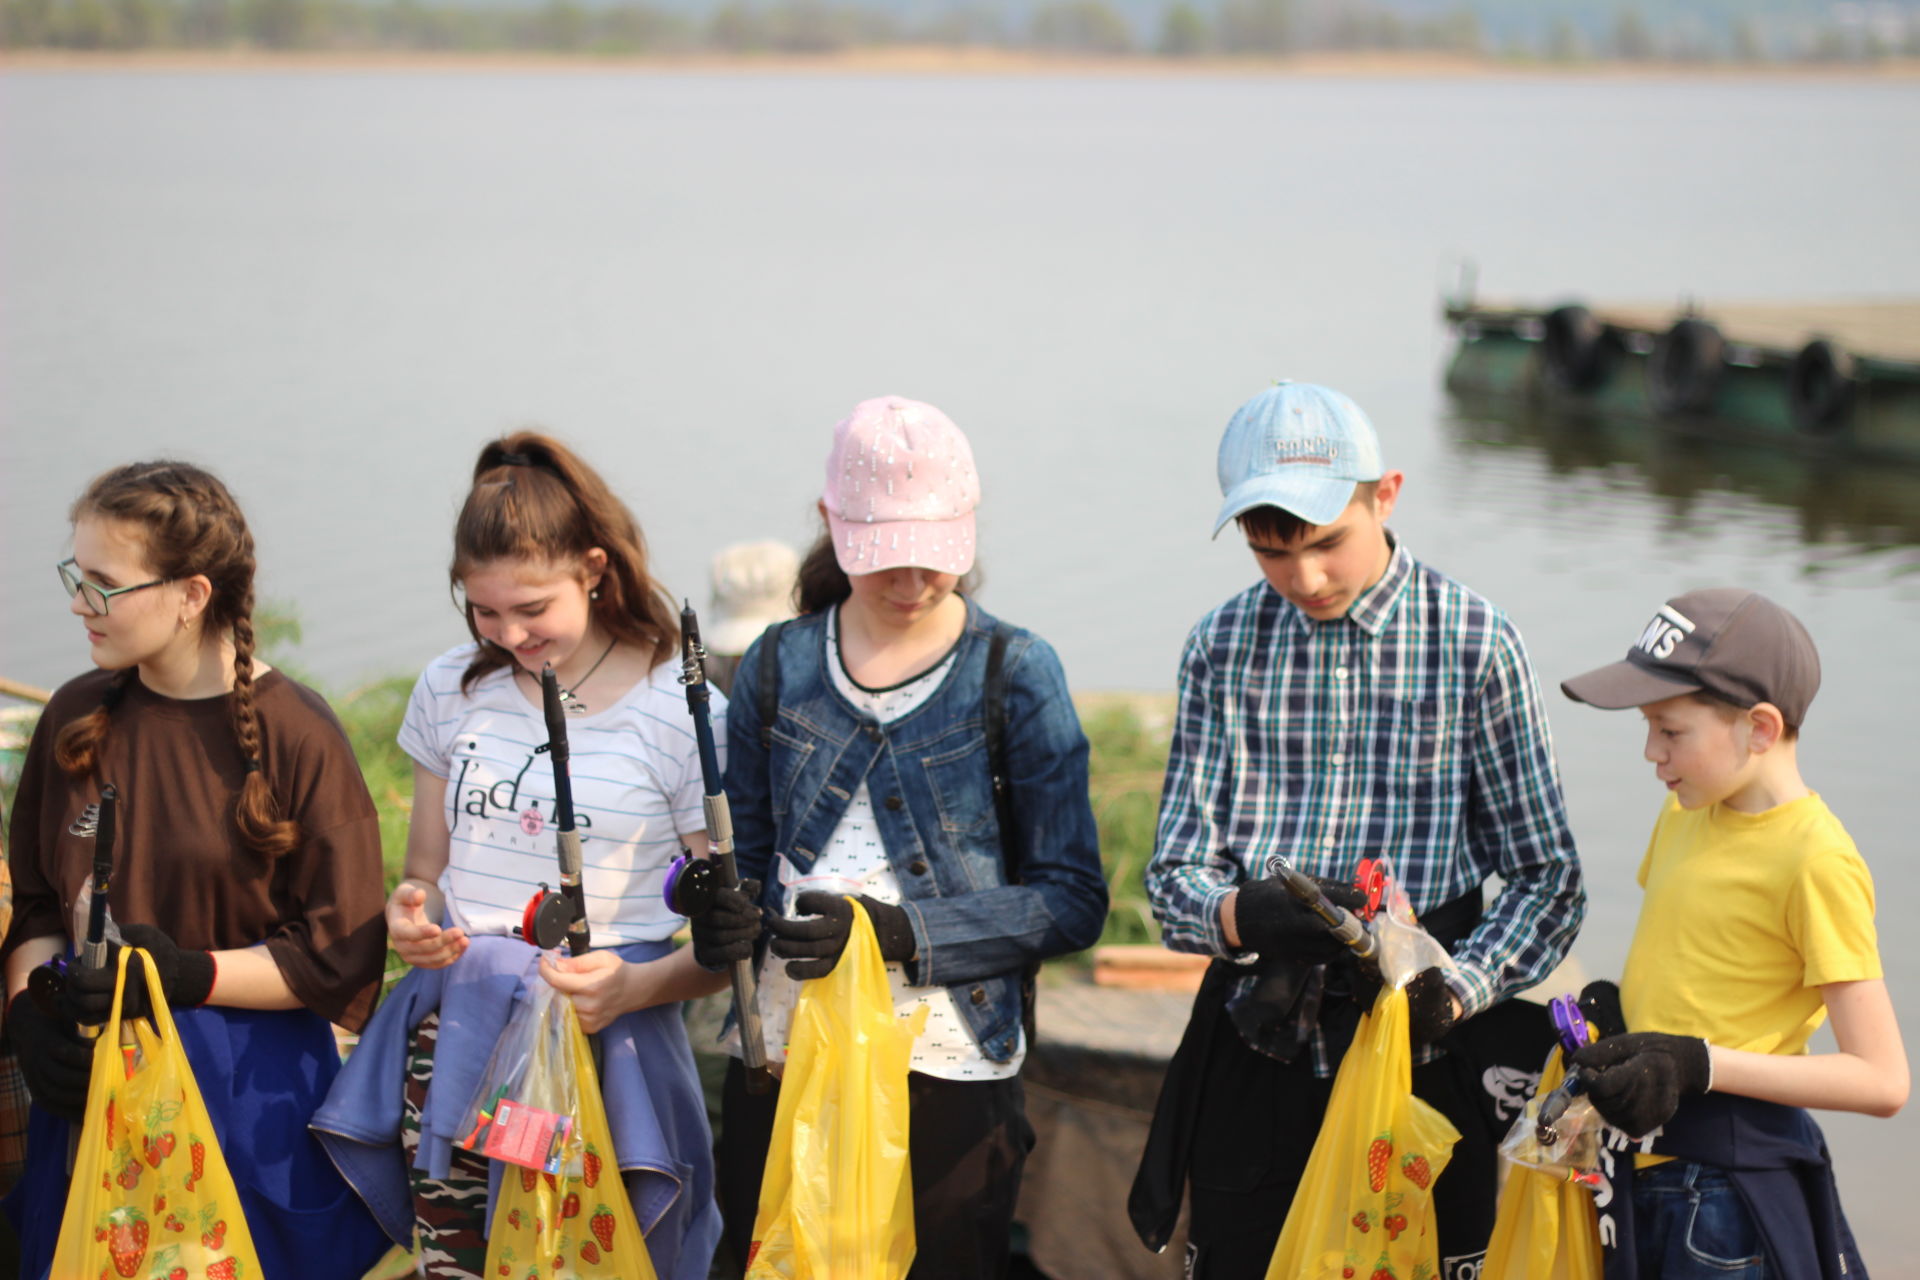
point(93, 952)
point(1347, 928)
point(692, 882)
point(47, 982)
point(553, 917)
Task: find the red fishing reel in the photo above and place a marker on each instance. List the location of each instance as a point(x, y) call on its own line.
point(1370, 882)
point(544, 922)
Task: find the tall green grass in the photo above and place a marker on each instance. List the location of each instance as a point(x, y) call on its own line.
point(371, 715)
point(1128, 760)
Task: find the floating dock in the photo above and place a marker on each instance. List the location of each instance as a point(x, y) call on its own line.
point(1838, 377)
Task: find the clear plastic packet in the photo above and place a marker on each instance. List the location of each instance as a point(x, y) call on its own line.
point(526, 1106)
point(1566, 1143)
point(82, 913)
point(1405, 948)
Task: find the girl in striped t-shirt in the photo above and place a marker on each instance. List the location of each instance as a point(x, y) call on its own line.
point(551, 569)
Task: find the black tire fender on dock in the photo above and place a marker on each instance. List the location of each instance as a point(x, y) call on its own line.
point(1820, 384)
point(1684, 367)
point(1575, 351)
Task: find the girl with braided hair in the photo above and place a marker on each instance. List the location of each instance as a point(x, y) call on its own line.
point(549, 568)
point(247, 864)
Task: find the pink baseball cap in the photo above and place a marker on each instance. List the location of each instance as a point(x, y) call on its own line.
point(901, 489)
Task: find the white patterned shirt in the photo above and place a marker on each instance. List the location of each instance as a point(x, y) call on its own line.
point(855, 862)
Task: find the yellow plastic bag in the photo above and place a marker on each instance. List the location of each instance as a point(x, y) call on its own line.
point(1546, 1227)
point(151, 1195)
point(1364, 1208)
point(836, 1200)
point(577, 1224)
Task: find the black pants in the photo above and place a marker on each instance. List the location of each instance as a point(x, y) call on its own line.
point(968, 1141)
point(1257, 1123)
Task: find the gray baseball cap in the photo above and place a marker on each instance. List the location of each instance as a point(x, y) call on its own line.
point(1298, 447)
point(1724, 640)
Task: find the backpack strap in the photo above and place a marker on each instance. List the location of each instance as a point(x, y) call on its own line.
point(769, 690)
point(994, 710)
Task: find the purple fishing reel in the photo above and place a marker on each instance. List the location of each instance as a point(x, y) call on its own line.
point(1570, 1022)
point(691, 885)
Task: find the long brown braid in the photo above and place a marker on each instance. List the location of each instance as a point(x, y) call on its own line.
point(191, 526)
point(534, 499)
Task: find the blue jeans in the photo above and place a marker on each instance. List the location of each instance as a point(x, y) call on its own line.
point(1690, 1224)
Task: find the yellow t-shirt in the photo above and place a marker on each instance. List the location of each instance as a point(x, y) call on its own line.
point(1746, 916)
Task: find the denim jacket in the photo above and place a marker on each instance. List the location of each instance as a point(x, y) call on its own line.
point(933, 802)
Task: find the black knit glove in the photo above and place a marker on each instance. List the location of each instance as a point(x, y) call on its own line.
point(1276, 924)
point(186, 978)
point(725, 932)
point(1430, 1012)
point(812, 946)
point(55, 1060)
point(1636, 1081)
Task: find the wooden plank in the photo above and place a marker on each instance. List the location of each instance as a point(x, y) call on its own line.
point(1889, 330)
point(25, 692)
point(1148, 968)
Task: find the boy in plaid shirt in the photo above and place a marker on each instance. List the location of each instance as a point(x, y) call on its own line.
point(1355, 703)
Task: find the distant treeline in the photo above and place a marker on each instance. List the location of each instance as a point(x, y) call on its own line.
point(1183, 29)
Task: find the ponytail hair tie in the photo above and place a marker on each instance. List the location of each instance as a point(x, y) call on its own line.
point(253, 765)
point(515, 460)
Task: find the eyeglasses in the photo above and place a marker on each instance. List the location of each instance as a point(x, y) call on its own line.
point(96, 596)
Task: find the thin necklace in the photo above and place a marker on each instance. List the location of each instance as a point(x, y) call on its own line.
point(573, 705)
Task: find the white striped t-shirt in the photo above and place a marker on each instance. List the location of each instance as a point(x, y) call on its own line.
point(636, 789)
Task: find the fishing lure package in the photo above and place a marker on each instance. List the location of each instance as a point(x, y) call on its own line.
point(1558, 1131)
point(1566, 1144)
point(576, 1223)
point(1546, 1226)
point(523, 1110)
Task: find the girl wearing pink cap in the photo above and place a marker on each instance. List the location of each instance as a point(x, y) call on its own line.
point(898, 743)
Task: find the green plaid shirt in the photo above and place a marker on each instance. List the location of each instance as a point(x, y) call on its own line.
point(1410, 728)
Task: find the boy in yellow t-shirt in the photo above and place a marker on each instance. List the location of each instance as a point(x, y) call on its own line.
point(1757, 926)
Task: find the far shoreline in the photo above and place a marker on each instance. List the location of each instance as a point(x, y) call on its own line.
point(915, 60)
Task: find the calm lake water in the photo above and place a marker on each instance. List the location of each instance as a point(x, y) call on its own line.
point(332, 286)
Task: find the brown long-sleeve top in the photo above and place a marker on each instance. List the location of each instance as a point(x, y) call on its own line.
point(179, 860)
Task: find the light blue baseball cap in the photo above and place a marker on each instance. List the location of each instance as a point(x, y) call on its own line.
point(1298, 447)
